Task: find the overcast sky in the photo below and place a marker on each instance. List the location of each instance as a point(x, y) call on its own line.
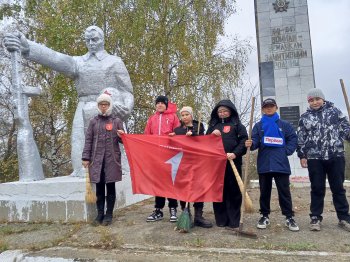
point(330, 39)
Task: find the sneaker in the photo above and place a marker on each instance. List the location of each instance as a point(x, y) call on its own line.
point(173, 217)
point(344, 225)
point(156, 215)
point(263, 222)
point(291, 224)
point(315, 224)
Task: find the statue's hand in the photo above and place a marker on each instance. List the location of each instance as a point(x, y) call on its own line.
point(16, 42)
point(121, 111)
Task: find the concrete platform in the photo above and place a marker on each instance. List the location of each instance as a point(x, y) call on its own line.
point(60, 199)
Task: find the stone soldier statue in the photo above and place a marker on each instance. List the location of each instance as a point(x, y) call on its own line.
point(94, 73)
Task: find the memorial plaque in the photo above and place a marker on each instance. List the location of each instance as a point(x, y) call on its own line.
point(290, 114)
point(267, 79)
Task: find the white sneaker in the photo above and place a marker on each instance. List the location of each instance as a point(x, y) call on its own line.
point(173, 217)
point(291, 224)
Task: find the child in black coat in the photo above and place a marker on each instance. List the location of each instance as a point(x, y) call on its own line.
point(225, 122)
point(191, 127)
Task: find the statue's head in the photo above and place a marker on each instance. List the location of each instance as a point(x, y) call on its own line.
point(94, 39)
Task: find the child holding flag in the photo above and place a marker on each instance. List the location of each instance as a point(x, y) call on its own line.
point(190, 127)
point(276, 140)
point(225, 122)
point(162, 122)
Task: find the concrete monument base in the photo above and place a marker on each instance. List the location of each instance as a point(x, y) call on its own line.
point(60, 199)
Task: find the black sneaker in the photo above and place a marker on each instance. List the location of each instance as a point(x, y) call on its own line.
point(263, 222)
point(156, 215)
point(315, 224)
point(291, 224)
point(173, 217)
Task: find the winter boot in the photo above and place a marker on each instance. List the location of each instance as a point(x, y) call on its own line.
point(100, 204)
point(199, 220)
point(107, 220)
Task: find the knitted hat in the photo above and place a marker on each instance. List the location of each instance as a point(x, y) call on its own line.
point(105, 97)
point(187, 109)
point(269, 101)
point(163, 99)
point(315, 92)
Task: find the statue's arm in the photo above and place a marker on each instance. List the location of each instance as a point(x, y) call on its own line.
point(43, 55)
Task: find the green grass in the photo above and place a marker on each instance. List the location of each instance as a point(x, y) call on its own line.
point(197, 242)
point(3, 246)
point(15, 229)
point(301, 246)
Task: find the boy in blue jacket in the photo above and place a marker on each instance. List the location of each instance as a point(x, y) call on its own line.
point(276, 140)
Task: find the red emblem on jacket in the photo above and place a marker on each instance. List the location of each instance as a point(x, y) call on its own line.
point(227, 129)
point(109, 126)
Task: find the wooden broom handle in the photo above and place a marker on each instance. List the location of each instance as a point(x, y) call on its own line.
point(345, 97)
point(247, 160)
point(238, 178)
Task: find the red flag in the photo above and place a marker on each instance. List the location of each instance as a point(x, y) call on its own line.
point(185, 168)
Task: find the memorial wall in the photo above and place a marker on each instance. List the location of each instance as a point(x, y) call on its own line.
point(285, 61)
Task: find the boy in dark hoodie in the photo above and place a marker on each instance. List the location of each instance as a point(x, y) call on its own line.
point(276, 140)
point(225, 122)
point(321, 133)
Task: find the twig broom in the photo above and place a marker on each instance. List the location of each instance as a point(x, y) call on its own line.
point(183, 224)
point(90, 196)
point(248, 204)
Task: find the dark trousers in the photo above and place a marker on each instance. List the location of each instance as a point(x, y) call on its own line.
point(284, 196)
point(101, 194)
point(160, 202)
point(228, 212)
point(195, 205)
point(333, 168)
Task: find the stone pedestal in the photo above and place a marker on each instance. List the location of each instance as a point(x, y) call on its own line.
point(60, 199)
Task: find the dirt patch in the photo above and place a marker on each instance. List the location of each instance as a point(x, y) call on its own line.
point(130, 229)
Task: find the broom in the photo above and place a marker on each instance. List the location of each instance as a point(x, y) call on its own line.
point(183, 224)
point(240, 230)
point(90, 196)
point(248, 204)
